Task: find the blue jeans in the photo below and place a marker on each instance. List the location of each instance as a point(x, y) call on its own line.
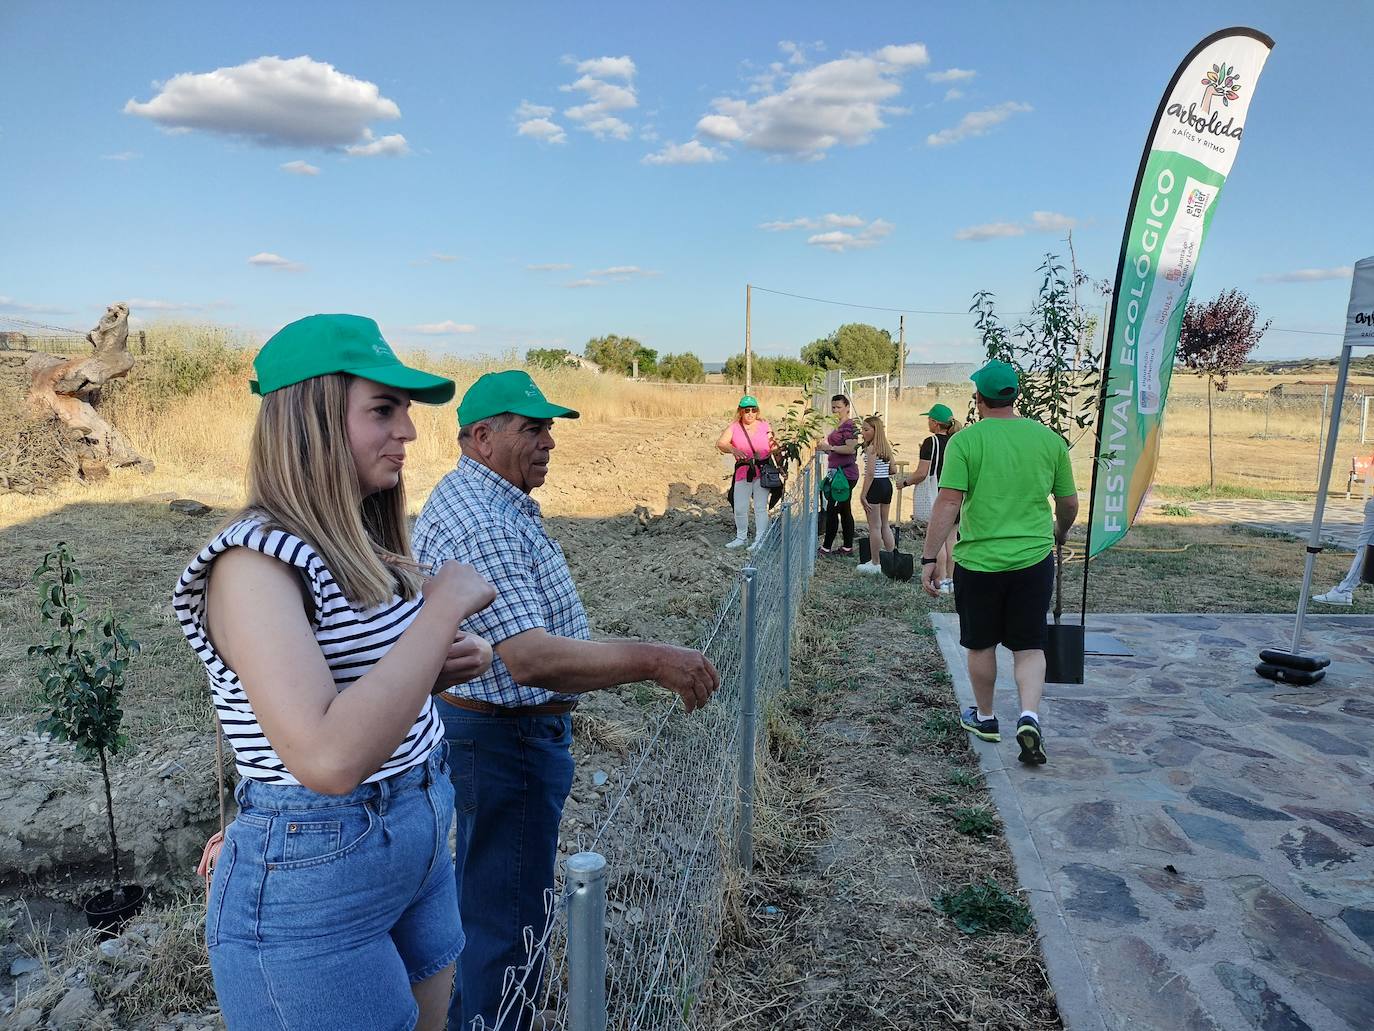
point(325, 909)
point(511, 776)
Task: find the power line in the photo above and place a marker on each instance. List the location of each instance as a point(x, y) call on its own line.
point(873, 307)
point(30, 324)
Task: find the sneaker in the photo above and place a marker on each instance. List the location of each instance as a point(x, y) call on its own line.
point(738, 542)
point(844, 551)
point(946, 586)
point(1028, 737)
point(868, 568)
point(756, 545)
point(823, 550)
point(985, 729)
point(1336, 596)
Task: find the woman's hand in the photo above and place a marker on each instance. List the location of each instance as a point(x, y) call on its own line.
point(741, 454)
point(823, 445)
point(460, 588)
point(469, 656)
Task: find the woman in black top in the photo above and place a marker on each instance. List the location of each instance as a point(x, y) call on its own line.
point(942, 425)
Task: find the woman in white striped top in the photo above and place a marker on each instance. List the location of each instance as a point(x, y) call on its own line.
point(332, 903)
point(877, 492)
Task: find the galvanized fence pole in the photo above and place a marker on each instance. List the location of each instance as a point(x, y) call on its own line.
point(787, 621)
point(748, 719)
point(585, 877)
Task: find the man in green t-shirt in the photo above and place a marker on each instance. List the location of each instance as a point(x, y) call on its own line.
point(997, 479)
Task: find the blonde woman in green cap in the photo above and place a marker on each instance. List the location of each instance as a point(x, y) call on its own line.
point(750, 440)
point(332, 901)
point(926, 479)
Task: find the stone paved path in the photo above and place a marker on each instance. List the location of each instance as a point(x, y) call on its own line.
point(1199, 851)
point(1341, 519)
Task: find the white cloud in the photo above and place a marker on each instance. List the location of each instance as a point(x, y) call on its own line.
point(1309, 275)
point(542, 129)
point(446, 328)
point(151, 304)
point(10, 304)
point(954, 94)
point(549, 266)
point(825, 221)
point(622, 272)
point(300, 168)
point(1052, 222)
point(266, 259)
point(528, 110)
point(796, 52)
point(951, 75)
point(991, 231)
point(976, 123)
point(123, 155)
point(578, 284)
point(276, 102)
point(602, 98)
point(445, 258)
point(839, 241)
point(693, 152)
point(840, 102)
point(391, 146)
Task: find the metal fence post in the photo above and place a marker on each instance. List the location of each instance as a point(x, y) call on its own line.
point(787, 614)
point(748, 720)
point(585, 877)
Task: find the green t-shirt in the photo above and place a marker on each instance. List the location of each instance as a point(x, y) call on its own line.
point(1007, 469)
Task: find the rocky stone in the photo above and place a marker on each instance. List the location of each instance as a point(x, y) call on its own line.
point(1172, 751)
point(1305, 952)
point(1091, 825)
point(77, 1006)
point(1100, 895)
point(1298, 714)
point(1231, 710)
point(1321, 740)
point(1361, 924)
point(1188, 937)
point(189, 506)
point(25, 1019)
point(1214, 737)
point(1146, 990)
point(1258, 1003)
point(1234, 805)
point(1185, 894)
point(24, 965)
point(1352, 826)
point(1157, 834)
point(1214, 833)
point(1358, 707)
point(1307, 848)
point(1272, 777)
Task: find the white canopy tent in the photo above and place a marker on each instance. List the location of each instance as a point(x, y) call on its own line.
point(1359, 332)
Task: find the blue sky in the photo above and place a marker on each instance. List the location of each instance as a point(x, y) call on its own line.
point(497, 177)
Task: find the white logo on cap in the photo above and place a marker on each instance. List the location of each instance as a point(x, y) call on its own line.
point(532, 392)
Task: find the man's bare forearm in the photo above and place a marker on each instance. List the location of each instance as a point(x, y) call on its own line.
point(571, 666)
point(1065, 515)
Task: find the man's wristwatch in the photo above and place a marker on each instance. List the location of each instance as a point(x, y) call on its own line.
point(928, 561)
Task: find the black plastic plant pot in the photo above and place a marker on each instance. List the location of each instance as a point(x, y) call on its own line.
point(1064, 654)
point(108, 911)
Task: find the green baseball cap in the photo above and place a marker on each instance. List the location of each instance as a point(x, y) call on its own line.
point(940, 413)
point(748, 401)
point(512, 391)
point(996, 380)
point(321, 344)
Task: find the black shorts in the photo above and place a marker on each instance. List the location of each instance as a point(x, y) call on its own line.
point(879, 492)
point(1006, 608)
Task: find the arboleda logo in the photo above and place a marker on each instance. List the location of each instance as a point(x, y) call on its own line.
point(1221, 83)
point(1364, 318)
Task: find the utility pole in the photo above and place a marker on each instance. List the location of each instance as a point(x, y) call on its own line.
point(748, 343)
point(901, 353)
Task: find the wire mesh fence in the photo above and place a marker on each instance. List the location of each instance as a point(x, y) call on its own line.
point(669, 827)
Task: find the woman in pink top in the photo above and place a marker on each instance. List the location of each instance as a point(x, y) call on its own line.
point(750, 439)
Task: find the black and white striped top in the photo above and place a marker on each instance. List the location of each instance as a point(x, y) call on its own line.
point(353, 641)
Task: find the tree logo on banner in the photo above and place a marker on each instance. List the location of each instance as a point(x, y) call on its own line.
point(1222, 82)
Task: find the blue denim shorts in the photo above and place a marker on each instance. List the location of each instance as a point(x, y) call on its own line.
point(325, 909)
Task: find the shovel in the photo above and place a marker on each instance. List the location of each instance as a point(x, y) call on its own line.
point(896, 563)
point(1064, 647)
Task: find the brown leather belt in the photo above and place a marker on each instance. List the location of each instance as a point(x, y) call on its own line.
point(487, 709)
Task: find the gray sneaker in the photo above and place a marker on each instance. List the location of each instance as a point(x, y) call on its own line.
point(1336, 596)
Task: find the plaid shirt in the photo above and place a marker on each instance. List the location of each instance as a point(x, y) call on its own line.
point(476, 516)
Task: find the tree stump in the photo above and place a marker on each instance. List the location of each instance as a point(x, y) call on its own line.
point(70, 388)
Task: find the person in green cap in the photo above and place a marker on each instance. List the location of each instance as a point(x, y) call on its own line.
point(331, 903)
point(997, 478)
point(750, 440)
point(510, 730)
point(926, 479)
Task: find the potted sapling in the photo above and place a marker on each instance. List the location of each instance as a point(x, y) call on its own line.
point(82, 682)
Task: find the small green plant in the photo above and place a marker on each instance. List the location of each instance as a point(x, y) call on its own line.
point(964, 779)
point(1172, 509)
point(975, 821)
point(941, 727)
point(979, 909)
point(940, 798)
point(83, 674)
point(800, 426)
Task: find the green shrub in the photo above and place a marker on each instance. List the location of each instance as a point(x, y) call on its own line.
point(985, 908)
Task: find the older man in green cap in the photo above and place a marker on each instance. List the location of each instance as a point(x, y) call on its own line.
point(510, 730)
point(997, 478)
